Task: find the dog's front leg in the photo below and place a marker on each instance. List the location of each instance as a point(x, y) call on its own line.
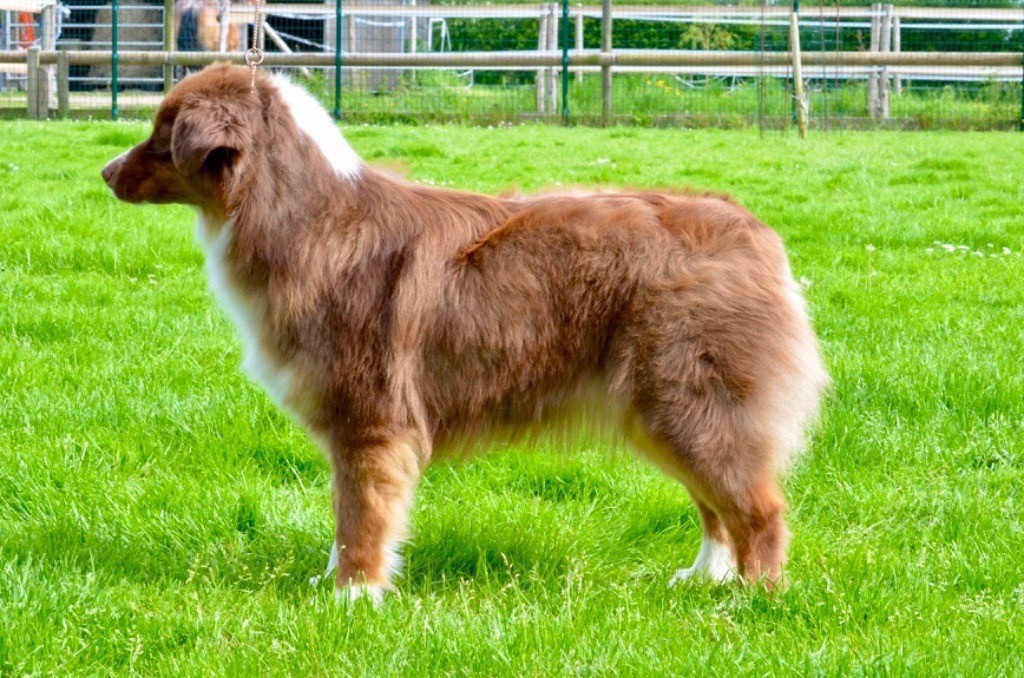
point(374, 478)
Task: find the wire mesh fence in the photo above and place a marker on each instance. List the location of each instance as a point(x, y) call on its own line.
point(728, 63)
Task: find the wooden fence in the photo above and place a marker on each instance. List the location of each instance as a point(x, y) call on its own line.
point(39, 63)
point(882, 64)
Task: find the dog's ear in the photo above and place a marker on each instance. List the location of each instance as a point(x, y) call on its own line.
point(208, 136)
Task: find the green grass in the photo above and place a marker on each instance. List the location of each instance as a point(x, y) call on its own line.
point(159, 516)
point(653, 99)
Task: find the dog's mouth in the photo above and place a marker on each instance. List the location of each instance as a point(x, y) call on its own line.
point(131, 186)
point(111, 171)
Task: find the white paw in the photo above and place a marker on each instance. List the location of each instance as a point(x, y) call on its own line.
point(348, 595)
point(715, 562)
point(684, 574)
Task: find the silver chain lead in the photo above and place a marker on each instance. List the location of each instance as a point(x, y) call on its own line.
point(254, 55)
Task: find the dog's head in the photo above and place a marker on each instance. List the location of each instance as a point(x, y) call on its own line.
point(203, 138)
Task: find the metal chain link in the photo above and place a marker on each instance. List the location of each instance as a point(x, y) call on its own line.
point(254, 55)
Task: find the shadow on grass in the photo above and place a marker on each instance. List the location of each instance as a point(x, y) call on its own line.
point(533, 524)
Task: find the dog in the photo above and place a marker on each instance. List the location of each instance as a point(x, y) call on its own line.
point(401, 324)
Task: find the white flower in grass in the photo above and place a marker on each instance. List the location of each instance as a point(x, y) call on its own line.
point(1006, 251)
point(870, 248)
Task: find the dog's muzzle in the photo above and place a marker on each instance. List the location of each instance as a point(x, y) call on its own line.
point(111, 169)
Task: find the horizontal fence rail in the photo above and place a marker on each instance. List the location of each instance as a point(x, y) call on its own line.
point(702, 12)
point(723, 64)
point(523, 59)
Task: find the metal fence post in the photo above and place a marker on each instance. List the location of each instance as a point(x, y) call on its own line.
point(337, 59)
point(114, 7)
point(565, 62)
point(606, 68)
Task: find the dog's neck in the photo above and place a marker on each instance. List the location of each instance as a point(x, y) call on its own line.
point(302, 164)
point(321, 135)
point(289, 182)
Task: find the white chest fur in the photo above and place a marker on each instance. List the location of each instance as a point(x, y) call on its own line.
point(246, 311)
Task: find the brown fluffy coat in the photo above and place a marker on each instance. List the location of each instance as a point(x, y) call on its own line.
point(401, 323)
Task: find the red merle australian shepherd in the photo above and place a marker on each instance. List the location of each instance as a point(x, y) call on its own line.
point(402, 324)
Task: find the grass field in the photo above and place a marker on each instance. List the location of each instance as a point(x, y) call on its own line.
point(159, 516)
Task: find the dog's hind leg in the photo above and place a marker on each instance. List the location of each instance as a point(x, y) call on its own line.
point(716, 560)
point(721, 412)
point(374, 479)
point(723, 378)
point(733, 486)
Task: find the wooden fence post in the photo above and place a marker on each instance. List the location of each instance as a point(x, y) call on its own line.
point(897, 46)
point(798, 76)
point(885, 45)
point(49, 27)
point(32, 81)
point(169, 43)
point(579, 42)
point(540, 80)
point(42, 92)
point(49, 44)
point(564, 47)
point(606, 69)
point(413, 29)
point(223, 24)
point(63, 85)
point(552, 86)
point(876, 24)
point(350, 33)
